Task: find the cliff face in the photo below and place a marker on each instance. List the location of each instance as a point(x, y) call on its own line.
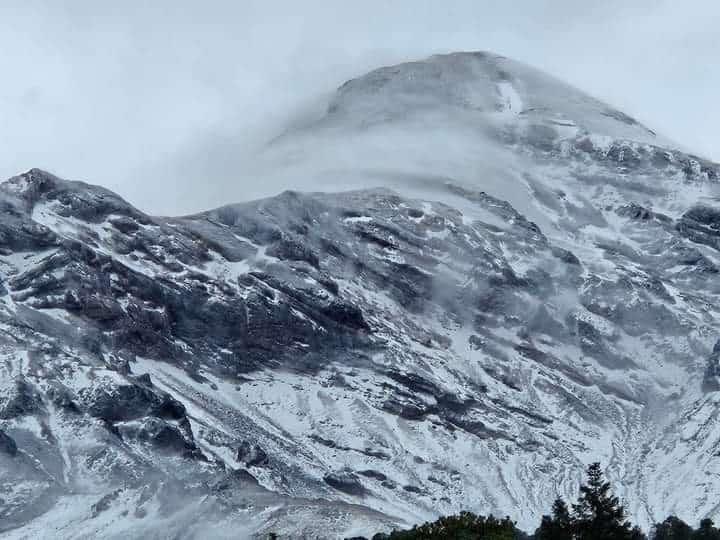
point(534, 288)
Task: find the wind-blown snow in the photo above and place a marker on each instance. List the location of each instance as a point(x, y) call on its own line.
point(530, 296)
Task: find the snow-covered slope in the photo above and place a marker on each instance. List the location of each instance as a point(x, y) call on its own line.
point(532, 286)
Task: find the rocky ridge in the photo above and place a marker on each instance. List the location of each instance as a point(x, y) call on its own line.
point(332, 363)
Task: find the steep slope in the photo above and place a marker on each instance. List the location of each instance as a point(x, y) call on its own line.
point(538, 290)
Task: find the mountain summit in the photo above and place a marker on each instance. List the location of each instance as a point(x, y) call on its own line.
point(530, 285)
point(480, 86)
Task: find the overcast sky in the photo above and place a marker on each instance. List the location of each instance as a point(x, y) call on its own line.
point(142, 96)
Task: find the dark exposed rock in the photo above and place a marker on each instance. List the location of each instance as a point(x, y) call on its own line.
point(7, 444)
point(565, 256)
point(169, 408)
point(324, 442)
point(409, 286)
point(97, 308)
point(591, 341)
point(476, 342)
point(251, 455)
point(365, 281)
point(640, 213)
point(415, 383)
point(346, 315)
point(130, 401)
point(63, 397)
point(704, 215)
point(544, 322)
point(23, 400)
point(701, 224)
point(437, 481)
point(405, 409)
point(104, 504)
point(691, 256)
point(376, 475)
point(76, 199)
point(346, 482)
point(476, 427)
point(378, 454)
point(293, 250)
point(164, 436)
point(235, 480)
point(647, 311)
point(711, 379)
point(125, 225)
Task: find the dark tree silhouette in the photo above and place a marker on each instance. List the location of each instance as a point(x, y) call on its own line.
point(558, 526)
point(673, 528)
point(464, 526)
point(598, 514)
point(706, 531)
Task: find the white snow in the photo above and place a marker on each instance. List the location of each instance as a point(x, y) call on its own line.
point(510, 99)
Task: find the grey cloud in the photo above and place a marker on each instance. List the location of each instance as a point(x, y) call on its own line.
point(166, 102)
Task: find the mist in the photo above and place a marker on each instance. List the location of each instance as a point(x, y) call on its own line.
point(169, 103)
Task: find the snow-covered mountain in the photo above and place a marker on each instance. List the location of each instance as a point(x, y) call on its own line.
point(530, 284)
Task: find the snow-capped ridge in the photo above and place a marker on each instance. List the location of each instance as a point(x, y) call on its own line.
point(523, 282)
point(482, 83)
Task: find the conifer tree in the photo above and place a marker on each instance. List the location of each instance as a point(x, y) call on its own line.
point(706, 531)
point(558, 526)
point(463, 526)
point(598, 514)
point(673, 528)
